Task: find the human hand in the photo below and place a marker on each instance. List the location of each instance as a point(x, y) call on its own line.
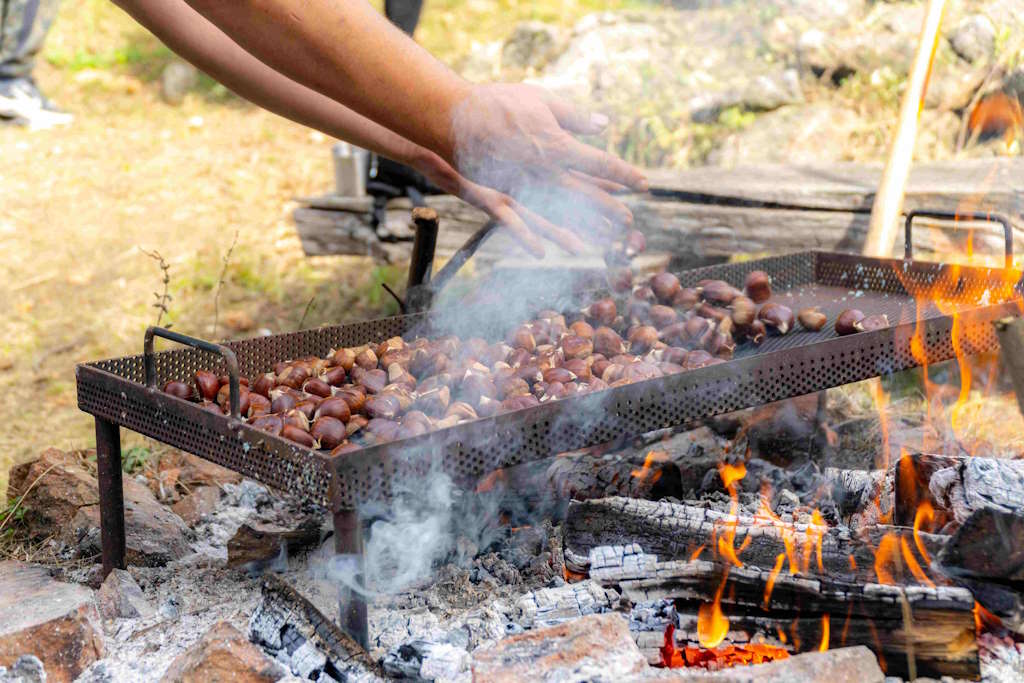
point(518, 139)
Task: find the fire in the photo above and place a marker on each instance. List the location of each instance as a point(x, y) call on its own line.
point(716, 658)
point(925, 514)
point(985, 620)
point(915, 568)
point(823, 645)
point(997, 114)
point(731, 474)
point(712, 624)
point(886, 557)
point(649, 461)
point(769, 585)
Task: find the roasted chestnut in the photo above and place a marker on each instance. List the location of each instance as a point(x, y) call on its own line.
point(603, 311)
point(872, 323)
point(264, 384)
point(574, 346)
point(258, 405)
point(336, 407)
point(178, 389)
point(367, 359)
point(344, 358)
point(718, 292)
point(317, 387)
point(776, 317)
point(743, 311)
point(642, 338)
point(299, 436)
point(758, 286)
point(335, 376)
point(328, 431)
point(665, 287)
point(272, 424)
point(812, 319)
point(847, 321)
point(662, 316)
point(384, 405)
point(686, 298)
point(207, 384)
point(607, 342)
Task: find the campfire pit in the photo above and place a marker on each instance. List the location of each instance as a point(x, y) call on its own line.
point(124, 391)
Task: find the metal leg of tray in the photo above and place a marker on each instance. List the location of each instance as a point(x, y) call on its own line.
point(348, 540)
point(108, 471)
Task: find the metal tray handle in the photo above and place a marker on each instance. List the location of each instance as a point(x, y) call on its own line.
point(229, 359)
point(908, 249)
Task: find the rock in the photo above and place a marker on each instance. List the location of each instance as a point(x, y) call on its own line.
point(61, 627)
point(196, 471)
point(974, 38)
point(202, 501)
point(531, 45)
point(954, 88)
point(176, 80)
point(26, 669)
point(55, 486)
point(154, 535)
point(119, 597)
point(594, 647)
point(223, 654)
point(259, 543)
point(816, 133)
point(765, 92)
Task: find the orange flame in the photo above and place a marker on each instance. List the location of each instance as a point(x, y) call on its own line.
point(716, 658)
point(985, 620)
point(769, 585)
point(886, 557)
point(712, 624)
point(823, 645)
point(649, 461)
point(915, 568)
point(925, 514)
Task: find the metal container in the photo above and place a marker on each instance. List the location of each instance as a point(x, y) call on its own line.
point(350, 164)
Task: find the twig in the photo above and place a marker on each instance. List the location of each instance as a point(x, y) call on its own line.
point(162, 299)
point(220, 283)
point(309, 305)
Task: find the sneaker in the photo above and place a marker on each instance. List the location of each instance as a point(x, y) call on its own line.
point(22, 103)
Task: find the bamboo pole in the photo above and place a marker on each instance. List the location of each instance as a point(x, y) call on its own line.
point(888, 205)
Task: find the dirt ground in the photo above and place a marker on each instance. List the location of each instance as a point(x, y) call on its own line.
point(81, 206)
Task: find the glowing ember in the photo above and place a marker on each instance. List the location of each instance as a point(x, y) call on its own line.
point(985, 620)
point(718, 657)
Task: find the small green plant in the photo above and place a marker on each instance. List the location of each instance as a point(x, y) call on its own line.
point(135, 458)
point(11, 516)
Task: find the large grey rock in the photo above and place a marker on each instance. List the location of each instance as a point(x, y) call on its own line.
point(974, 38)
point(53, 621)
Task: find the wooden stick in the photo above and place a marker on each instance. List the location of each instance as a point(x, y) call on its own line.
point(888, 204)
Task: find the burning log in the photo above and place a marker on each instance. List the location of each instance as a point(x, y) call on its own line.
point(931, 626)
point(949, 489)
point(673, 531)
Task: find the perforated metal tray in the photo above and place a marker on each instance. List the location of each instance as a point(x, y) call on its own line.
point(796, 364)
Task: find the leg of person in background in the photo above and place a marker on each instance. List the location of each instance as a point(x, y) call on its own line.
point(404, 14)
point(23, 28)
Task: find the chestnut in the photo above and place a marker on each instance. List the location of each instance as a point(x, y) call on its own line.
point(328, 431)
point(561, 375)
point(686, 298)
point(434, 402)
point(695, 328)
point(178, 389)
point(383, 405)
point(355, 424)
point(718, 292)
point(665, 286)
point(776, 317)
point(296, 418)
point(520, 402)
point(344, 358)
point(576, 347)
point(343, 448)
point(207, 384)
point(711, 312)
point(367, 359)
point(373, 380)
point(847, 321)
point(522, 338)
point(643, 338)
point(662, 316)
point(756, 332)
point(697, 358)
point(743, 311)
point(224, 399)
point(335, 376)
point(620, 279)
point(354, 397)
point(272, 424)
point(603, 311)
point(607, 342)
point(308, 406)
point(463, 411)
point(258, 405)
point(299, 436)
point(264, 384)
point(317, 387)
point(336, 407)
point(674, 355)
point(758, 286)
point(211, 407)
point(676, 332)
point(634, 243)
point(292, 376)
point(474, 386)
point(638, 310)
point(579, 368)
point(281, 402)
point(581, 328)
point(811, 319)
point(872, 323)
point(383, 429)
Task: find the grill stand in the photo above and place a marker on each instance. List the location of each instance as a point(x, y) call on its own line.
point(108, 473)
point(348, 541)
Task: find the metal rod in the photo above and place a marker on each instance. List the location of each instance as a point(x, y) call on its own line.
point(422, 263)
point(955, 217)
point(348, 540)
point(230, 360)
point(108, 472)
point(460, 257)
point(1011, 338)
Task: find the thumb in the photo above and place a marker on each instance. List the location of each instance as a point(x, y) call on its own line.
point(574, 119)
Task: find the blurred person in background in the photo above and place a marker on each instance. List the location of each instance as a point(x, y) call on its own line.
point(23, 28)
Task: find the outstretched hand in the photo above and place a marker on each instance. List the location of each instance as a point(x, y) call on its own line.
point(517, 140)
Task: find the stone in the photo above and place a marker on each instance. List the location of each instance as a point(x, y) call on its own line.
point(26, 669)
point(61, 628)
point(260, 543)
point(55, 486)
point(193, 507)
point(223, 654)
point(531, 45)
point(154, 535)
point(974, 38)
point(196, 471)
point(815, 133)
point(176, 80)
point(120, 597)
point(591, 648)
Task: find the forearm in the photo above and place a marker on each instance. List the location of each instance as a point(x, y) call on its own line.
point(207, 47)
point(350, 53)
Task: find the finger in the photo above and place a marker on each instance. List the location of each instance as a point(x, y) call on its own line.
point(598, 164)
point(597, 200)
point(563, 237)
point(606, 185)
point(509, 219)
point(569, 116)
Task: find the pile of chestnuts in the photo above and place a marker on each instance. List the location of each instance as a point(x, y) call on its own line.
point(376, 393)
